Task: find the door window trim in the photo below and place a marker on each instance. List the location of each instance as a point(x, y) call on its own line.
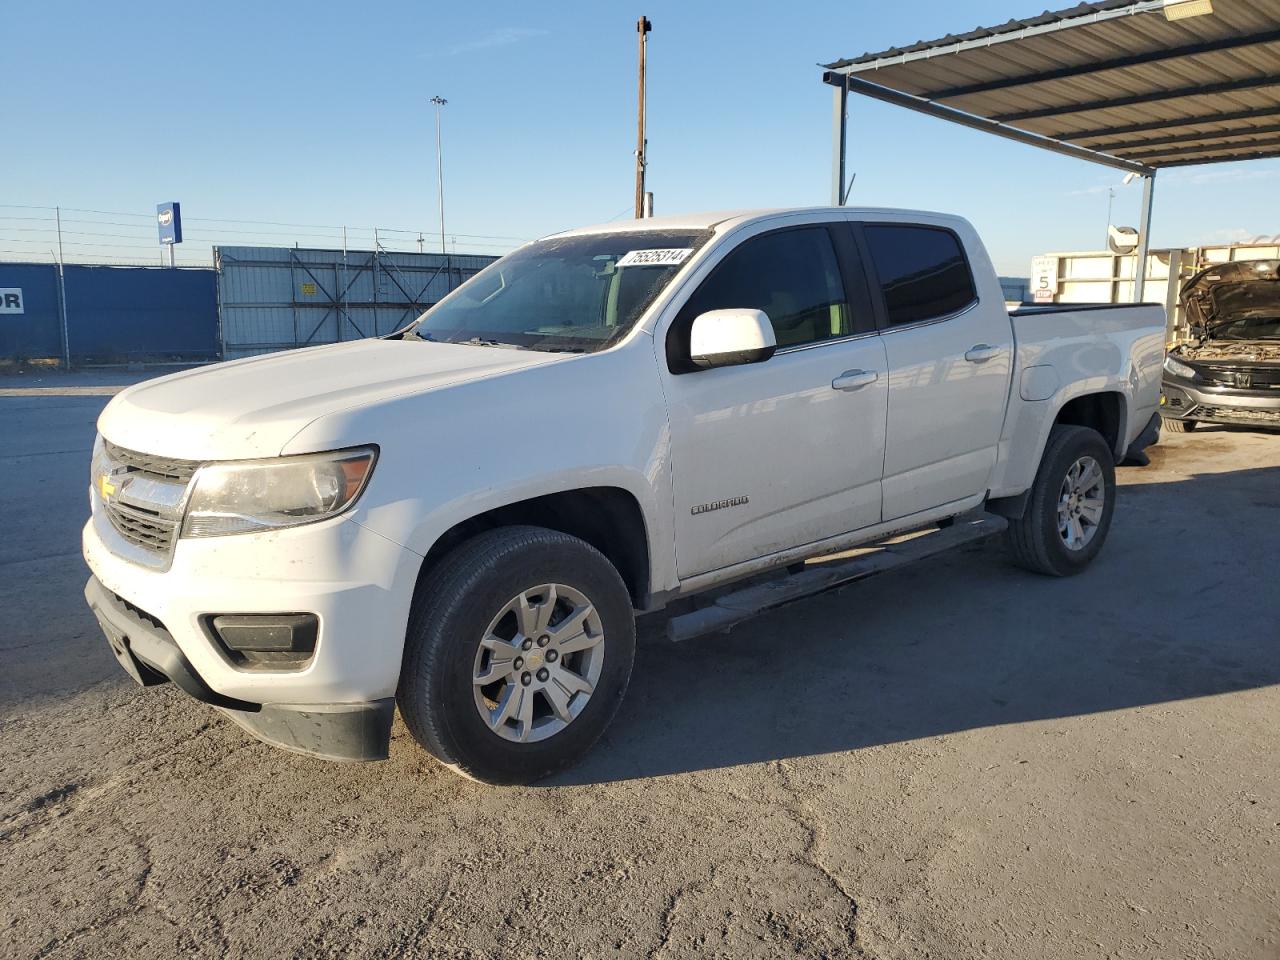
point(877, 289)
point(829, 342)
point(917, 324)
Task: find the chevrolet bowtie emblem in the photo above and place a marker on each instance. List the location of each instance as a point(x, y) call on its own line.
point(105, 486)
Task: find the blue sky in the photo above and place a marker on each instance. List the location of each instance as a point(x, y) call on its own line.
point(317, 114)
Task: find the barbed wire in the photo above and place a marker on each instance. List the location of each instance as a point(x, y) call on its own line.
point(36, 228)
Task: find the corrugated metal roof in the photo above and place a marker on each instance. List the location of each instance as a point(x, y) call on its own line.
point(1113, 76)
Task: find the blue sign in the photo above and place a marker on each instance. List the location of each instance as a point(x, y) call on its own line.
point(169, 219)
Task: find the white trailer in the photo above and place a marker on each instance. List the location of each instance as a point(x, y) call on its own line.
point(1102, 276)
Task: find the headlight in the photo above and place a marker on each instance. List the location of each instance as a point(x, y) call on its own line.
point(1179, 369)
point(251, 495)
point(97, 466)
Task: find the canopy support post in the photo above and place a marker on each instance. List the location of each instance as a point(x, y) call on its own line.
point(839, 123)
point(1144, 237)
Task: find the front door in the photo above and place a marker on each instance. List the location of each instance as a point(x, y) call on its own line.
point(782, 453)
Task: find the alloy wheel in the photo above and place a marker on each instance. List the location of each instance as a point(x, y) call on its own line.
point(1081, 501)
point(538, 663)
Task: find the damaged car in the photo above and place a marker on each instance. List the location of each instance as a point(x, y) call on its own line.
point(1229, 371)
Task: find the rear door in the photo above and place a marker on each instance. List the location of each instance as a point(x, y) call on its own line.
point(949, 352)
point(773, 455)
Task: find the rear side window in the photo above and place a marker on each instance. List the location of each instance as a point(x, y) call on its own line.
point(923, 272)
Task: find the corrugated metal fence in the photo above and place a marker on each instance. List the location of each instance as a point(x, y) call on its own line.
point(274, 298)
point(109, 314)
point(257, 300)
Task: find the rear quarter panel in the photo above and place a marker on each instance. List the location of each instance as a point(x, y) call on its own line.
point(1065, 354)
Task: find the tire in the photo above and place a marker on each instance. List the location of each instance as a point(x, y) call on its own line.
point(475, 593)
point(1170, 425)
point(1036, 540)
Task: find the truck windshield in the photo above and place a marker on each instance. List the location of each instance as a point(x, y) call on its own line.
point(576, 294)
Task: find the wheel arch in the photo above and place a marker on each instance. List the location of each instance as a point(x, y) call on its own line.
point(1104, 410)
point(609, 518)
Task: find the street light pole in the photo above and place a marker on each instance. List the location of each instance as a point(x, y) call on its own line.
point(643, 26)
point(439, 102)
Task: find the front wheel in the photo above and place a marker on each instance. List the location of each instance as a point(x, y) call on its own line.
point(1173, 425)
point(1069, 509)
point(518, 654)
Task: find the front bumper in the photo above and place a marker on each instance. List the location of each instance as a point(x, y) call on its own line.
point(1185, 400)
point(148, 653)
point(358, 584)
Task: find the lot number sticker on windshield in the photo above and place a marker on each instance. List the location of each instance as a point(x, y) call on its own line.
point(670, 257)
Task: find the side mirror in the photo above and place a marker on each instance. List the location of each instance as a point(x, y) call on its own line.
point(726, 338)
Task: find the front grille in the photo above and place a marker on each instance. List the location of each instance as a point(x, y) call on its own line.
point(165, 468)
point(1241, 415)
point(1243, 377)
point(146, 506)
point(141, 527)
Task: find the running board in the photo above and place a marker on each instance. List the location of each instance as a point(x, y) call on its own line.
point(733, 608)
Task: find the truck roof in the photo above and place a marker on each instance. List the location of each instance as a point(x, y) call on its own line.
point(723, 219)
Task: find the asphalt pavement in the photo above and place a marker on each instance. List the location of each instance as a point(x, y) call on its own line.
point(954, 760)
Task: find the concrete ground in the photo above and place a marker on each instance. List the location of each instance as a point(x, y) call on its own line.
point(955, 760)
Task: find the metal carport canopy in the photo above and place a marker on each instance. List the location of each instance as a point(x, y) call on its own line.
point(1138, 85)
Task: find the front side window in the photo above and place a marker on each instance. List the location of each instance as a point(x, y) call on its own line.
point(923, 272)
point(791, 275)
point(577, 294)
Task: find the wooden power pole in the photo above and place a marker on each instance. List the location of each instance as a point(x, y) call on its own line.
point(643, 26)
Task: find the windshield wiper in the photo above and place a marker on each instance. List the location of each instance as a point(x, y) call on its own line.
point(484, 342)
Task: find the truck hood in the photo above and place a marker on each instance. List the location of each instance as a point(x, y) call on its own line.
point(253, 407)
point(1228, 293)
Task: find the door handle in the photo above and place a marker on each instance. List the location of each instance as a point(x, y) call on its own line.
point(981, 353)
point(854, 380)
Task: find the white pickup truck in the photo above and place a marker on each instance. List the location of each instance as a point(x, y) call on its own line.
point(463, 517)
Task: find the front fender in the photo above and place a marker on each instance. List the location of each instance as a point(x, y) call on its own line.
point(426, 529)
point(598, 420)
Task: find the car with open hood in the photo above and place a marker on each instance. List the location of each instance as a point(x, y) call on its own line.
point(1229, 371)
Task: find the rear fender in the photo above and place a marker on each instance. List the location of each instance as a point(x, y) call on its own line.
point(1027, 434)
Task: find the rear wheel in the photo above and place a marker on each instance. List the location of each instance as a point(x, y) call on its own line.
point(1069, 510)
point(518, 654)
point(1170, 425)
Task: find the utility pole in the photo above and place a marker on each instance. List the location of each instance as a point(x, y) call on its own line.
point(643, 26)
point(439, 102)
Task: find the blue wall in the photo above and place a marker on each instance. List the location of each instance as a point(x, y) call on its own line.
point(137, 313)
point(114, 314)
point(37, 331)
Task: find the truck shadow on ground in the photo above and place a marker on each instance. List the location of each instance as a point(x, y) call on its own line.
point(1180, 604)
